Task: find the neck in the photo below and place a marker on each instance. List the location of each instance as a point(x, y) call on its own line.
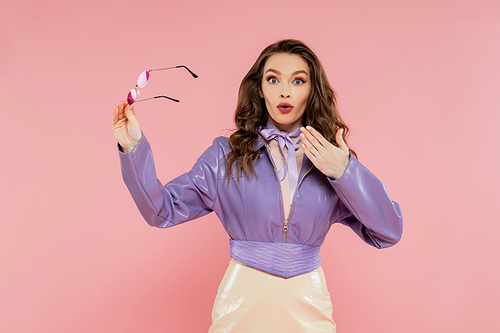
point(289, 128)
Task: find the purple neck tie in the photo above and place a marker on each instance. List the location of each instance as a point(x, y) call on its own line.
point(285, 140)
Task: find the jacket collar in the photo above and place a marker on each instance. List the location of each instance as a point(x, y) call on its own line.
point(260, 143)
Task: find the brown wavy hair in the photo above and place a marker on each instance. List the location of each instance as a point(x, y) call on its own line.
point(251, 114)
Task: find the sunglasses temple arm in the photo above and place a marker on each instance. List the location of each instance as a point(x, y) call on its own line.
point(193, 74)
point(180, 66)
point(170, 98)
point(147, 99)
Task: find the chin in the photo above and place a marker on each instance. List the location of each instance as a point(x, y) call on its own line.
point(284, 120)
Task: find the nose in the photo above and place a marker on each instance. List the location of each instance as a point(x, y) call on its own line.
point(285, 92)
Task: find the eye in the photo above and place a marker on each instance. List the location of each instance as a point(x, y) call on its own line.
point(272, 80)
point(298, 81)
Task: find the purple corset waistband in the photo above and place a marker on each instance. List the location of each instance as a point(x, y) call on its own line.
point(282, 259)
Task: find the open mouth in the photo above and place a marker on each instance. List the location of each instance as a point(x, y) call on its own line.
point(285, 107)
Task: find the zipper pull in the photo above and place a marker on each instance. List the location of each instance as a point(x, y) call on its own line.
point(285, 229)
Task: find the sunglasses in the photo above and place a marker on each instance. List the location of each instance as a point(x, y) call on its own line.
point(143, 80)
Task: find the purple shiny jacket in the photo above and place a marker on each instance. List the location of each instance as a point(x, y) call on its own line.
point(251, 209)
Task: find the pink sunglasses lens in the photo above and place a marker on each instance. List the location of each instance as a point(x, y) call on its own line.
point(143, 79)
point(132, 95)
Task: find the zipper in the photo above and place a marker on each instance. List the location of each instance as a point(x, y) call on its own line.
point(279, 186)
point(285, 222)
point(287, 219)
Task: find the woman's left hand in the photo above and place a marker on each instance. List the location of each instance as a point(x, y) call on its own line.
point(330, 160)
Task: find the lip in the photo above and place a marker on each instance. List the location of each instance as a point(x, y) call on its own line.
point(285, 107)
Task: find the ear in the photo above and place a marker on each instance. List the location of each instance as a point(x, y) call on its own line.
point(260, 92)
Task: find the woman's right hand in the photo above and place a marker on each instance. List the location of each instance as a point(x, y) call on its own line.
point(126, 126)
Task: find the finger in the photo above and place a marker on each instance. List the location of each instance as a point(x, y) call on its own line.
point(307, 135)
point(128, 111)
point(310, 139)
point(318, 136)
point(305, 139)
point(115, 116)
point(340, 140)
point(309, 153)
point(121, 107)
point(130, 114)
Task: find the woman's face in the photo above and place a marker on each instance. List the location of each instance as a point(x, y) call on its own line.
point(286, 87)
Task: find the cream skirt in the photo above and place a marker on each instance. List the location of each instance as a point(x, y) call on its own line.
point(250, 300)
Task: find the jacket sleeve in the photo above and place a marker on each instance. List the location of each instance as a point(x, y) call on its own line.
point(185, 198)
point(365, 206)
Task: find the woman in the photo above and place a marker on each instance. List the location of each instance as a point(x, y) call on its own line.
point(277, 185)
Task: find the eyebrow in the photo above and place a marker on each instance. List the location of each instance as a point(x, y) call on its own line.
point(293, 74)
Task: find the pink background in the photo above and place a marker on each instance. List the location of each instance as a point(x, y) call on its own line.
point(417, 82)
